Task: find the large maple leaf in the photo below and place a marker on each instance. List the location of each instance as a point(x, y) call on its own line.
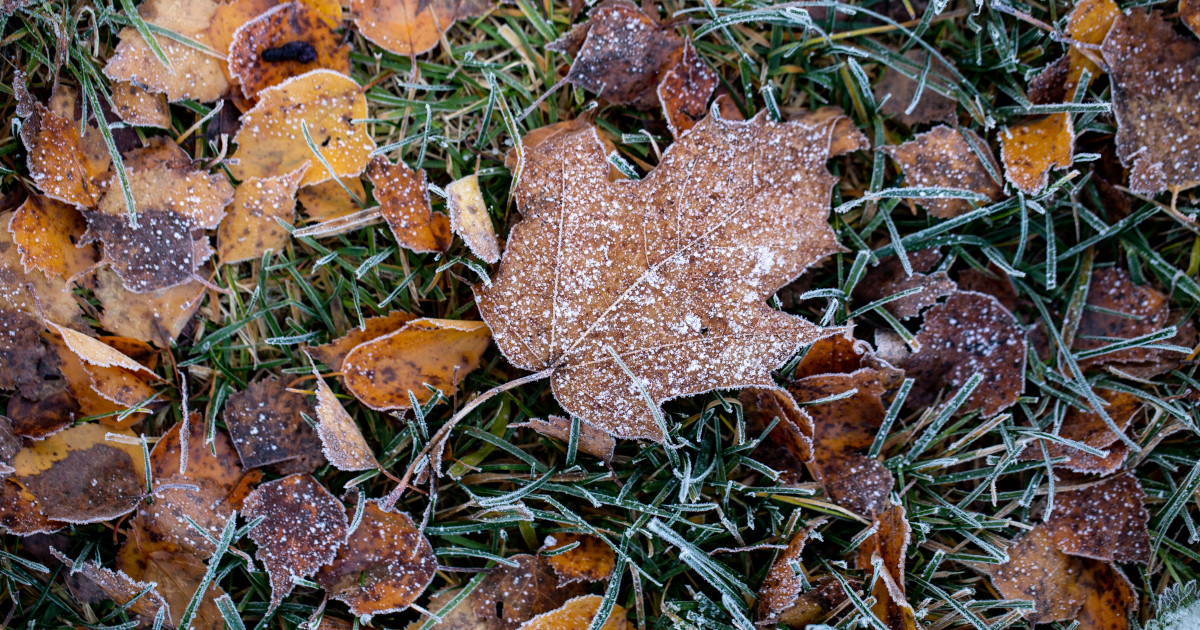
point(669, 273)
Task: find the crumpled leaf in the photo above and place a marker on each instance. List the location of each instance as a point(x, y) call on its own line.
point(1104, 521)
point(138, 106)
point(1088, 427)
point(121, 588)
point(178, 575)
point(943, 158)
point(333, 353)
point(285, 41)
point(933, 107)
point(884, 552)
point(265, 424)
point(889, 278)
point(252, 225)
point(438, 352)
point(592, 560)
point(685, 314)
point(685, 89)
point(302, 529)
point(156, 317)
point(411, 27)
point(47, 234)
point(385, 565)
point(1030, 149)
point(404, 203)
point(782, 586)
point(194, 74)
point(592, 439)
point(271, 140)
point(59, 160)
point(469, 218)
point(1155, 98)
point(1145, 310)
point(968, 334)
point(620, 53)
point(341, 440)
point(579, 612)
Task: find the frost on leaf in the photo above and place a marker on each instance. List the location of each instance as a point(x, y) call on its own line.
point(329, 200)
point(333, 353)
point(121, 588)
point(1118, 309)
point(411, 27)
point(18, 288)
point(29, 364)
point(592, 439)
point(592, 560)
point(404, 202)
point(265, 424)
point(889, 278)
point(437, 352)
point(579, 612)
point(59, 160)
point(1156, 100)
point(47, 234)
point(193, 74)
point(782, 586)
point(943, 158)
point(252, 225)
point(970, 333)
point(883, 552)
point(284, 42)
point(685, 89)
point(469, 218)
point(1104, 521)
point(385, 565)
point(1030, 149)
point(1088, 24)
point(178, 575)
point(620, 53)
point(341, 440)
point(665, 277)
point(271, 139)
point(1089, 428)
point(302, 529)
point(900, 90)
point(138, 106)
point(156, 317)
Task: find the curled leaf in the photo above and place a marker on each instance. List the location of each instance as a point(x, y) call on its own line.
point(341, 441)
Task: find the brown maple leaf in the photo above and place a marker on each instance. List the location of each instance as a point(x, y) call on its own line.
point(633, 292)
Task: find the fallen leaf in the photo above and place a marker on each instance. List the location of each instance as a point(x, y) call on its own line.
point(815, 604)
point(789, 445)
point(994, 282)
point(285, 41)
point(140, 107)
point(438, 352)
point(334, 353)
point(10, 444)
point(385, 565)
point(943, 158)
point(92, 351)
point(47, 233)
point(193, 74)
point(1189, 14)
point(329, 200)
point(341, 441)
point(411, 27)
point(899, 89)
point(404, 203)
point(620, 53)
point(87, 400)
point(232, 15)
point(28, 363)
point(178, 576)
point(271, 140)
point(58, 161)
point(302, 529)
point(512, 595)
point(19, 288)
point(884, 551)
point(578, 612)
point(1117, 309)
point(21, 513)
point(1030, 149)
point(675, 309)
point(121, 588)
point(1104, 521)
point(685, 89)
point(1088, 427)
point(968, 334)
point(252, 225)
point(265, 424)
point(782, 585)
point(592, 560)
point(1088, 24)
point(1109, 598)
point(592, 439)
point(469, 218)
point(889, 278)
point(156, 317)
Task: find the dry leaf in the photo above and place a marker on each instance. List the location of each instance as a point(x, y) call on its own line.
point(592, 560)
point(95, 352)
point(178, 576)
point(271, 140)
point(1189, 14)
point(404, 203)
point(286, 41)
point(510, 596)
point(121, 588)
point(411, 27)
point(47, 233)
point(265, 424)
point(333, 353)
point(1104, 521)
point(685, 89)
point(194, 74)
point(1088, 427)
point(789, 445)
point(1088, 23)
point(648, 273)
point(592, 439)
point(156, 317)
point(899, 90)
point(21, 514)
point(943, 158)
point(815, 604)
point(469, 218)
point(578, 612)
point(28, 363)
point(87, 401)
point(781, 587)
point(1030, 149)
point(884, 551)
point(252, 225)
point(889, 278)
point(620, 53)
point(971, 333)
point(18, 288)
point(329, 199)
point(341, 441)
point(385, 565)
point(140, 107)
point(437, 352)
point(59, 161)
point(1143, 310)
point(302, 529)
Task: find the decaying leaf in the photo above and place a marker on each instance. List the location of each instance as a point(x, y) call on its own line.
point(884, 551)
point(620, 53)
point(782, 586)
point(968, 334)
point(47, 234)
point(943, 158)
point(178, 575)
point(1104, 521)
point(302, 529)
point(889, 278)
point(193, 74)
point(684, 310)
point(59, 161)
point(900, 89)
point(271, 139)
point(329, 199)
point(121, 588)
point(592, 440)
point(469, 218)
point(1088, 427)
point(404, 203)
point(1030, 149)
point(18, 288)
point(1189, 14)
point(333, 353)
point(28, 363)
point(341, 440)
point(138, 106)
point(685, 89)
point(285, 41)
point(815, 604)
point(578, 612)
point(510, 596)
point(1118, 309)
point(789, 445)
point(252, 225)
point(265, 424)
point(156, 317)
point(411, 27)
point(384, 566)
point(592, 560)
point(437, 352)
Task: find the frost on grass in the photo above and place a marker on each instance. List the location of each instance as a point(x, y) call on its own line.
point(889, 278)
point(1104, 521)
point(385, 565)
point(411, 27)
point(333, 353)
point(883, 553)
point(302, 529)
point(900, 90)
point(592, 439)
point(265, 424)
point(943, 158)
point(121, 588)
point(1156, 101)
point(685, 89)
point(193, 74)
point(252, 225)
point(341, 441)
point(469, 218)
point(1118, 309)
point(579, 612)
point(404, 202)
point(1085, 426)
point(1030, 149)
point(664, 278)
point(285, 41)
point(592, 560)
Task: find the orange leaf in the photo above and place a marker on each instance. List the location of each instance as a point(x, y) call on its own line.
point(46, 233)
point(1030, 149)
point(404, 203)
point(469, 218)
point(685, 89)
point(252, 225)
point(592, 560)
point(138, 106)
point(411, 27)
point(578, 612)
point(284, 42)
point(193, 74)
